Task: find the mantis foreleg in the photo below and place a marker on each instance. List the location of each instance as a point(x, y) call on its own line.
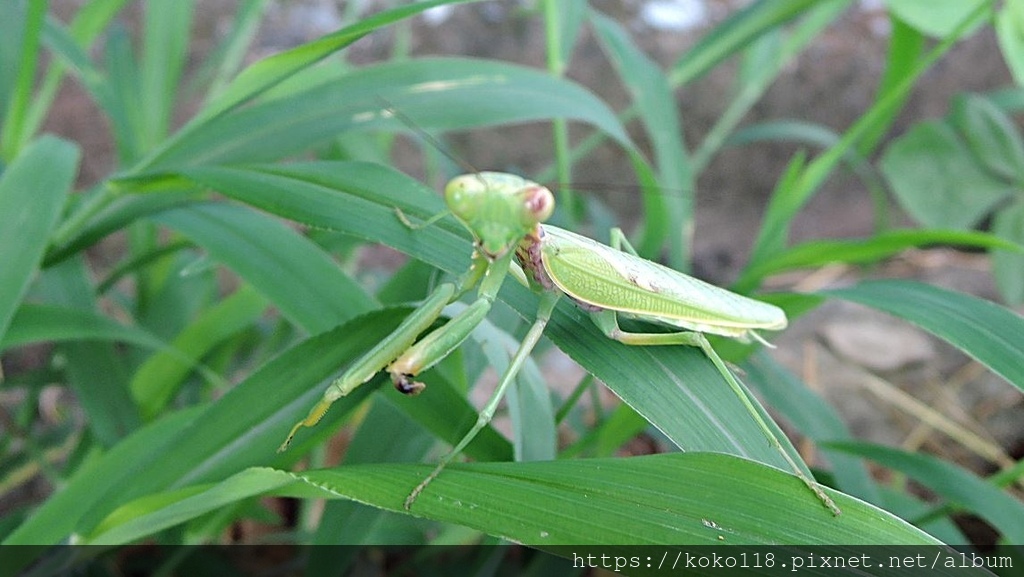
point(380, 355)
point(407, 360)
point(547, 304)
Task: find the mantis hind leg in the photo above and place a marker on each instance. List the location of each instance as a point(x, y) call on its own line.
point(608, 322)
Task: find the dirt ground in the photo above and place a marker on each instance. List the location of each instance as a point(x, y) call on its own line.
point(888, 379)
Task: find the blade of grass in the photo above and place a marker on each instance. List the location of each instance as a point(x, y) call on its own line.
point(987, 332)
point(787, 202)
point(274, 69)
point(653, 97)
point(110, 411)
point(165, 35)
point(14, 135)
point(228, 56)
point(730, 501)
point(301, 280)
point(33, 190)
point(155, 382)
point(817, 253)
point(950, 482)
point(91, 20)
point(814, 417)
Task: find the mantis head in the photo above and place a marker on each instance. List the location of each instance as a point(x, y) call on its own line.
point(498, 208)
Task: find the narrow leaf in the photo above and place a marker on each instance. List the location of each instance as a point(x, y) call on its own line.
point(951, 482)
point(727, 501)
point(986, 331)
point(291, 271)
point(33, 190)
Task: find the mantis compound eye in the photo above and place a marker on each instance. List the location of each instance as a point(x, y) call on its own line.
point(539, 202)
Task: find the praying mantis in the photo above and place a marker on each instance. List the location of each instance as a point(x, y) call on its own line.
point(505, 214)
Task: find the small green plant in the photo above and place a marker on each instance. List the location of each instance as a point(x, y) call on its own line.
point(222, 322)
point(952, 173)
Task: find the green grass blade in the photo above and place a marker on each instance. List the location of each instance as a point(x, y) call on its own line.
point(124, 107)
point(905, 46)
point(33, 190)
point(155, 382)
point(1011, 41)
point(385, 436)
point(1008, 267)
point(764, 61)
point(725, 40)
point(111, 412)
point(357, 198)
point(272, 70)
point(734, 34)
point(938, 20)
point(150, 514)
point(228, 56)
point(12, 31)
point(726, 501)
point(986, 331)
point(56, 519)
point(438, 93)
point(787, 201)
point(444, 411)
point(117, 215)
point(245, 426)
point(13, 134)
point(88, 23)
point(165, 35)
point(950, 482)
point(867, 250)
point(653, 96)
point(293, 273)
point(529, 399)
point(813, 417)
point(36, 323)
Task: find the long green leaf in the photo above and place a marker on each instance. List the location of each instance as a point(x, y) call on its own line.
point(51, 323)
point(1009, 266)
point(600, 502)
point(272, 70)
point(244, 427)
point(950, 482)
point(815, 418)
point(385, 436)
point(33, 190)
point(115, 216)
point(90, 21)
point(438, 93)
point(984, 330)
point(786, 202)
point(57, 518)
point(164, 51)
point(13, 133)
point(159, 376)
point(110, 409)
point(653, 96)
point(292, 272)
point(861, 251)
point(736, 32)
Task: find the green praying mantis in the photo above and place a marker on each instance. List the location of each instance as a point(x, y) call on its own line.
point(505, 214)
